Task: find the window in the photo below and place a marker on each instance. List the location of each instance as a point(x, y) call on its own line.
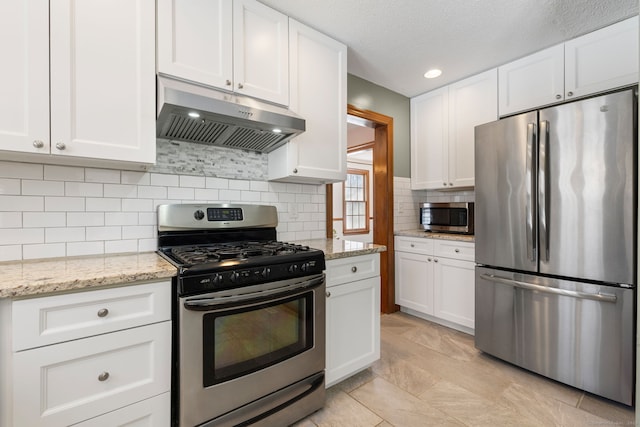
point(356, 202)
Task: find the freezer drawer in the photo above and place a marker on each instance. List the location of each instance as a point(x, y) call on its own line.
point(577, 333)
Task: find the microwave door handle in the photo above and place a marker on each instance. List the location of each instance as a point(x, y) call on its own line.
point(210, 302)
point(543, 190)
point(531, 166)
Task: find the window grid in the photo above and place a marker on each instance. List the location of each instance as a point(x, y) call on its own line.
point(356, 202)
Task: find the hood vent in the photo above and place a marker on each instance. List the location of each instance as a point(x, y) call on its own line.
point(221, 119)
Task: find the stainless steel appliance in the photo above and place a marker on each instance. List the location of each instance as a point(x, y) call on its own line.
point(555, 242)
point(447, 217)
point(249, 317)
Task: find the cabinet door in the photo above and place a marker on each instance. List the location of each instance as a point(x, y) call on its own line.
point(195, 41)
point(154, 412)
point(318, 81)
point(429, 140)
point(63, 384)
point(24, 104)
point(532, 81)
point(353, 328)
point(414, 281)
point(454, 291)
point(602, 60)
point(260, 51)
point(472, 102)
point(103, 79)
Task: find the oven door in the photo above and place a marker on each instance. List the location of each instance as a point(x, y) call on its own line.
point(245, 344)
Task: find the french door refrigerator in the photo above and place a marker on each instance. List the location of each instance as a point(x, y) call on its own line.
point(556, 242)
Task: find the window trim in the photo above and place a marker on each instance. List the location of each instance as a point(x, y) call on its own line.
point(366, 229)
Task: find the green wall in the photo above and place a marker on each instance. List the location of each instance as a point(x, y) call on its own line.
point(369, 96)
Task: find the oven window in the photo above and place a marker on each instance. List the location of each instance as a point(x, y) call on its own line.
point(237, 342)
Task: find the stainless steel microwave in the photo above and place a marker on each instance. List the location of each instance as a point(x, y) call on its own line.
point(447, 217)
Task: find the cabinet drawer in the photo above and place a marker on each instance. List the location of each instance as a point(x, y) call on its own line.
point(80, 379)
point(416, 245)
point(54, 319)
point(454, 249)
point(350, 269)
point(154, 412)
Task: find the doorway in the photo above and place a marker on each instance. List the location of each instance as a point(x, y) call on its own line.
point(382, 206)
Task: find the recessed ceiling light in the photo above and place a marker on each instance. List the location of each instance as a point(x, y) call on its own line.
point(194, 114)
point(433, 73)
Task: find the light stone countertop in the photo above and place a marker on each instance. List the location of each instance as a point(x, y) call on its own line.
point(36, 277)
point(339, 248)
point(442, 236)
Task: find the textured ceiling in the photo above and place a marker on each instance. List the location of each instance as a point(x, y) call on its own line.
point(393, 42)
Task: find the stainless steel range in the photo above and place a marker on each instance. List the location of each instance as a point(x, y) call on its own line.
point(249, 317)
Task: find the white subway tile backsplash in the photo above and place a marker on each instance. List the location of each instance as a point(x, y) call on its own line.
point(230, 195)
point(85, 248)
point(239, 184)
point(99, 204)
point(121, 218)
point(147, 245)
point(83, 189)
point(9, 186)
point(42, 188)
point(132, 177)
point(127, 191)
point(46, 250)
point(21, 236)
point(102, 175)
point(152, 192)
point(206, 194)
point(192, 181)
point(103, 233)
point(138, 232)
point(261, 186)
point(120, 246)
point(21, 203)
point(11, 219)
point(165, 180)
point(250, 196)
point(147, 218)
point(219, 183)
point(64, 204)
point(63, 173)
point(79, 219)
point(64, 234)
point(178, 193)
point(137, 205)
point(20, 170)
point(10, 252)
point(44, 219)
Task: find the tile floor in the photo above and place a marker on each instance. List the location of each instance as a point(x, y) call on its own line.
point(429, 375)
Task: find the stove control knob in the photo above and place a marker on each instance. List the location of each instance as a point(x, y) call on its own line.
point(266, 272)
point(216, 279)
point(293, 268)
point(234, 276)
point(305, 267)
point(198, 215)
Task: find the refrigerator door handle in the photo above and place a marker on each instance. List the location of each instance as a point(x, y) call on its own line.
point(531, 167)
point(545, 289)
point(543, 194)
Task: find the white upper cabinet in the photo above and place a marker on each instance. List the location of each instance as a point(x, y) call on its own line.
point(195, 41)
point(24, 104)
point(532, 81)
point(599, 61)
point(319, 95)
point(95, 79)
point(602, 60)
point(442, 131)
point(235, 45)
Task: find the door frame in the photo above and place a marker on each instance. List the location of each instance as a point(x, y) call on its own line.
point(382, 201)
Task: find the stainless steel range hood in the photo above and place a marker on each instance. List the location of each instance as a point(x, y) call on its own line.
point(192, 113)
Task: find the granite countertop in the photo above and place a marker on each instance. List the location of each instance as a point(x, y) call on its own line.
point(442, 236)
point(36, 277)
point(339, 248)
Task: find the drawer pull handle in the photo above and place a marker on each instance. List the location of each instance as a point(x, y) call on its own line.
point(354, 269)
point(103, 312)
point(103, 376)
point(457, 251)
point(328, 294)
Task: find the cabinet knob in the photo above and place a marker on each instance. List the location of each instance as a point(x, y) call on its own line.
point(413, 246)
point(451, 184)
point(558, 96)
point(569, 93)
point(228, 82)
point(429, 259)
point(240, 86)
point(435, 260)
point(457, 251)
point(295, 171)
point(103, 312)
point(354, 269)
point(328, 294)
point(103, 376)
point(444, 183)
point(38, 144)
point(61, 146)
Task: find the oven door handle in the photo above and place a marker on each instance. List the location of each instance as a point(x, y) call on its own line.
point(216, 302)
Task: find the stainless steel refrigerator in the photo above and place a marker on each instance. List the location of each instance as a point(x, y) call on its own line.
point(556, 242)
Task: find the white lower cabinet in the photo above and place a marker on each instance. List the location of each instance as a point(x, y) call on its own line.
point(435, 279)
point(353, 316)
point(110, 367)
